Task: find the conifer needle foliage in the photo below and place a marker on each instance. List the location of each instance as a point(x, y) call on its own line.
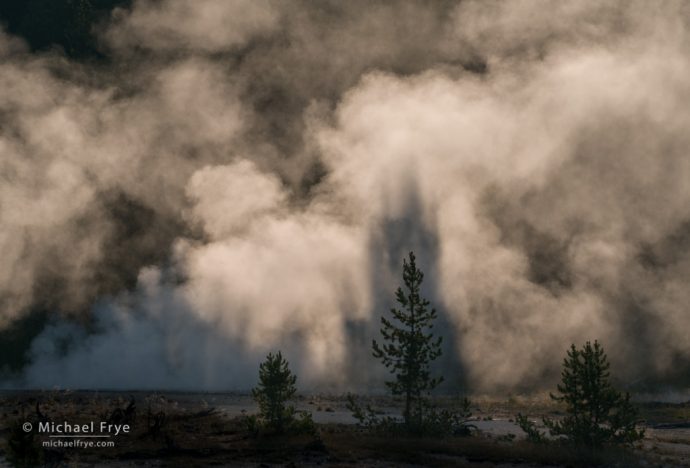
point(409, 346)
point(276, 386)
point(596, 413)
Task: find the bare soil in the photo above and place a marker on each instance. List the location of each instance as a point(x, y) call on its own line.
point(179, 429)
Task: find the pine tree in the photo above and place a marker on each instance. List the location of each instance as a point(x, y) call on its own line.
point(410, 346)
point(597, 413)
point(276, 387)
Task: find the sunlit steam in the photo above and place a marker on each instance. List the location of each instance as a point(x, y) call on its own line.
point(251, 180)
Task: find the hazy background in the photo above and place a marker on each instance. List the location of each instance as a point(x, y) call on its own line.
point(187, 185)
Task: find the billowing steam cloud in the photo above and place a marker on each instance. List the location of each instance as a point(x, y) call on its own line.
point(246, 176)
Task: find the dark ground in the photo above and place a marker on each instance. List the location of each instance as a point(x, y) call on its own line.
point(178, 429)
